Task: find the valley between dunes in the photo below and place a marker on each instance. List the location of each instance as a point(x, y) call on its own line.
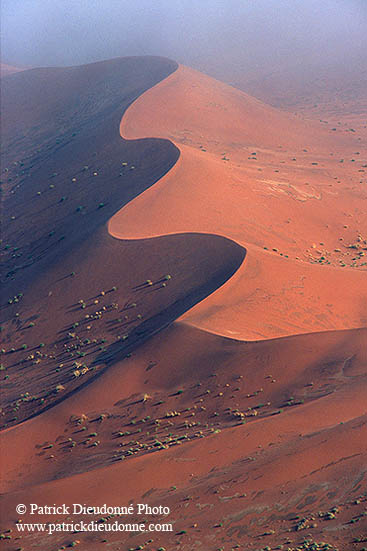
point(184, 321)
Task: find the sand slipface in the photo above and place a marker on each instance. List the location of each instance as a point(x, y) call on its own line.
point(233, 217)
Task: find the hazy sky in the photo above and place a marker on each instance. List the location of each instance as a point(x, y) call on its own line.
point(238, 35)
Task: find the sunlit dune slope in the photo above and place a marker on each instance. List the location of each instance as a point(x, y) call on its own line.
point(261, 177)
point(270, 296)
point(269, 423)
point(214, 111)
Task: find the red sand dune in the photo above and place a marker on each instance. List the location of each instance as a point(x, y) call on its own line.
point(315, 368)
point(252, 445)
point(264, 464)
point(231, 147)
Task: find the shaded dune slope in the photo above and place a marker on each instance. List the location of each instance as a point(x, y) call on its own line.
point(102, 312)
point(63, 170)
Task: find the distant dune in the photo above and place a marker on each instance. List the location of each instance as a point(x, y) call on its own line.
point(306, 87)
point(184, 311)
point(9, 69)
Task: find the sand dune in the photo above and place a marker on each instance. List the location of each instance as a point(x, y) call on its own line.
point(221, 211)
point(269, 180)
point(319, 371)
point(286, 458)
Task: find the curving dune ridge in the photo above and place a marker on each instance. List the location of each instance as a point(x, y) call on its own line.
point(248, 443)
point(67, 189)
point(268, 181)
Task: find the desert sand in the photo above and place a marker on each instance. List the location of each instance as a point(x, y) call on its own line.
point(184, 317)
point(286, 198)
